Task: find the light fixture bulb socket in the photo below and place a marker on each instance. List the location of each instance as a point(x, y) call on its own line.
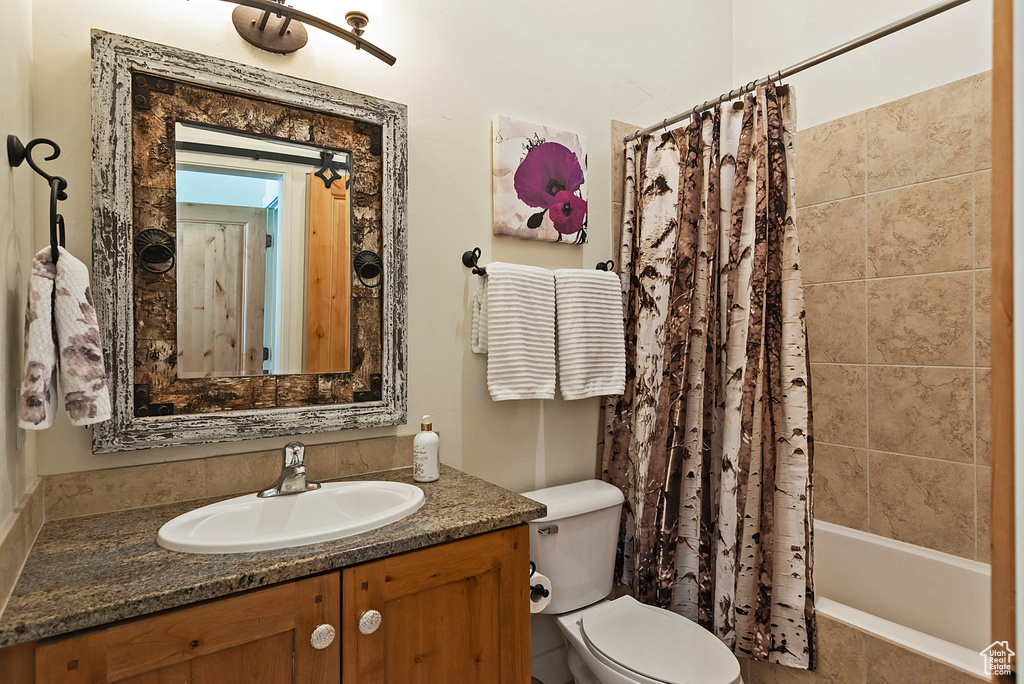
point(358, 21)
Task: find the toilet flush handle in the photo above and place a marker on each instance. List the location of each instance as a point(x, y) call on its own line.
point(550, 529)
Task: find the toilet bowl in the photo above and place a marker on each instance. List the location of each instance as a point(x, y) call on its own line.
point(626, 642)
point(620, 641)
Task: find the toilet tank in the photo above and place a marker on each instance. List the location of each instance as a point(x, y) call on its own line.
point(575, 543)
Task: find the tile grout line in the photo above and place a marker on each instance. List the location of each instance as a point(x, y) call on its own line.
point(974, 318)
point(895, 453)
point(974, 311)
point(897, 277)
point(891, 365)
point(867, 346)
point(868, 193)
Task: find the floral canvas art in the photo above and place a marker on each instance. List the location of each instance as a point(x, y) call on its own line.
point(540, 182)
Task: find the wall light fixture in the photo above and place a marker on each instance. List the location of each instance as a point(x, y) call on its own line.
point(273, 26)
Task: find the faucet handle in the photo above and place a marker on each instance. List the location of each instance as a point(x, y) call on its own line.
point(293, 454)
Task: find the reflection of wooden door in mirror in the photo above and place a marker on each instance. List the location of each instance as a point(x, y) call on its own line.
point(328, 311)
point(221, 272)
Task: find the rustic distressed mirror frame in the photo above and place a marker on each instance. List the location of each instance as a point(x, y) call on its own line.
point(118, 62)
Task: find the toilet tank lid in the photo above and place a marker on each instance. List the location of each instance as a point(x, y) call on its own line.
point(577, 498)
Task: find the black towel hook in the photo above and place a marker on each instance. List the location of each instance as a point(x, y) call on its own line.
point(18, 153)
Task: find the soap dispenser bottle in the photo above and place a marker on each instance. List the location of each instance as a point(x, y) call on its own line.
point(425, 464)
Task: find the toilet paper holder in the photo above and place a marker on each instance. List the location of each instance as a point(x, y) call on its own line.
point(537, 591)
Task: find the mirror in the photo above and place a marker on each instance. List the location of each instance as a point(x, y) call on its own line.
point(264, 247)
point(249, 262)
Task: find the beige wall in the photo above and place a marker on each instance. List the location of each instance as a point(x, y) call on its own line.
point(894, 219)
point(767, 36)
point(16, 241)
point(459, 63)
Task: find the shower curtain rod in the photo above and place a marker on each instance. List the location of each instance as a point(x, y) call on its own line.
point(871, 37)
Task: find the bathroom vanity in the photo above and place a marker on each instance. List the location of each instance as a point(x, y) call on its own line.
point(440, 596)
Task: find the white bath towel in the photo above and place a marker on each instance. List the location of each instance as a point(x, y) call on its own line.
point(60, 323)
point(478, 337)
point(520, 332)
point(591, 343)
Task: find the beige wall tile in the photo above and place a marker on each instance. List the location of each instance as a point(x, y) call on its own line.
point(17, 537)
point(830, 160)
point(984, 503)
point(982, 91)
point(841, 485)
point(983, 415)
point(922, 137)
point(101, 491)
point(840, 403)
point(923, 501)
point(922, 411)
point(242, 473)
point(923, 228)
point(403, 451)
point(836, 326)
point(321, 461)
point(888, 663)
point(832, 241)
point(982, 317)
point(982, 219)
point(366, 455)
point(921, 320)
point(840, 661)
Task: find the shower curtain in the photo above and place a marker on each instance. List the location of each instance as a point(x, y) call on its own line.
point(711, 442)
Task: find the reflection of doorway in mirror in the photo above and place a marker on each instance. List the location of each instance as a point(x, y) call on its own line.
point(307, 319)
point(221, 274)
point(328, 318)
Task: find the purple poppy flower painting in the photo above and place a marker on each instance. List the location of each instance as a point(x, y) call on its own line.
point(539, 182)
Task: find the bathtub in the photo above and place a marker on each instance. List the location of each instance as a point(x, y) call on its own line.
point(923, 600)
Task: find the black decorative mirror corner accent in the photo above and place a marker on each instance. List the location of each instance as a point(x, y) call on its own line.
point(143, 85)
point(374, 132)
point(145, 409)
point(373, 394)
point(154, 247)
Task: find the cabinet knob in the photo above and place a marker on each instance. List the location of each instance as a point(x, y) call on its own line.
point(369, 621)
point(322, 637)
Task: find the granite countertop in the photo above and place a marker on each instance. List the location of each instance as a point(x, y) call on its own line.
point(90, 571)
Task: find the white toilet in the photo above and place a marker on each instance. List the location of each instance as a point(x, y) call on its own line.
point(620, 641)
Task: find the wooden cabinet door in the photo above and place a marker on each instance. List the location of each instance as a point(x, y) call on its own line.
point(260, 636)
point(454, 613)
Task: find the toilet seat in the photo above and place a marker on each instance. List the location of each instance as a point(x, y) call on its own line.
point(657, 644)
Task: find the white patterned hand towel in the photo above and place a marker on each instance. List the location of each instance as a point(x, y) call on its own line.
point(478, 339)
point(591, 343)
point(38, 398)
point(520, 332)
point(71, 322)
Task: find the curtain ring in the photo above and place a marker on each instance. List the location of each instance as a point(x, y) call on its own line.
point(664, 124)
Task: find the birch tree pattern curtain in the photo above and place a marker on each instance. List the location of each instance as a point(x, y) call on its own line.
point(711, 442)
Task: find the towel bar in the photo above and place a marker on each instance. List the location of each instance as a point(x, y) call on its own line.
point(471, 260)
point(18, 153)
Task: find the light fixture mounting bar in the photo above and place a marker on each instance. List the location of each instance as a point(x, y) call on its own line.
point(293, 16)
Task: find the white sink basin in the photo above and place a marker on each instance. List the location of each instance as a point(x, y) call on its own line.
point(249, 523)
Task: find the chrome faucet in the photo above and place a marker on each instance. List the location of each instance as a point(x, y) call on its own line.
point(293, 475)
